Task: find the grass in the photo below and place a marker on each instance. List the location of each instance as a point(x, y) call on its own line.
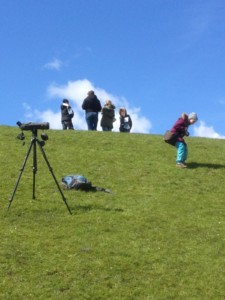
point(160, 235)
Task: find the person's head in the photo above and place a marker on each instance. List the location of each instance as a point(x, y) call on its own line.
point(108, 102)
point(91, 93)
point(65, 102)
point(193, 118)
point(122, 111)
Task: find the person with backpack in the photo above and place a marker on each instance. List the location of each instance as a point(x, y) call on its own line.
point(108, 116)
point(92, 107)
point(66, 115)
point(179, 130)
point(125, 121)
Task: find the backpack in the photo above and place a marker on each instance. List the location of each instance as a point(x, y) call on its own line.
point(70, 112)
point(170, 138)
point(79, 182)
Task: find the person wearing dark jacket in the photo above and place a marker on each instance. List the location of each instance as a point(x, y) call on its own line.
point(66, 115)
point(180, 129)
point(108, 116)
point(125, 121)
point(92, 107)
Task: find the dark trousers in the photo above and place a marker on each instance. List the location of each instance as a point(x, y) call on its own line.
point(67, 125)
point(104, 128)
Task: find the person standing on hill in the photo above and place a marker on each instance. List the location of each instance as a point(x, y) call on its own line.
point(92, 107)
point(66, 115)
point(108, 116)
point(180, 129)
point(125, 121)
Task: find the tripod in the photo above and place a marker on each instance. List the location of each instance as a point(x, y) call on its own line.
point(34, 142)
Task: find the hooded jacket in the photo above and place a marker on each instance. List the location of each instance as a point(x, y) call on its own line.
point(92, 104)
point(64, 113)
point(125, 123)
point(180, 128)
point(108, 114)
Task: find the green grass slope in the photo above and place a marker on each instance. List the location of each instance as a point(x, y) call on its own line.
point(160, 235)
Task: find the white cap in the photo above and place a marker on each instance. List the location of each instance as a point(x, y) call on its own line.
point(193, 116)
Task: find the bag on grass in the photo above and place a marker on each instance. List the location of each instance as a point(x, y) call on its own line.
point(170, 137)
point(79, 182)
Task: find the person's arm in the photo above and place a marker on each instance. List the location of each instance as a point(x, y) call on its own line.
point(84, 104)
point(130, 122)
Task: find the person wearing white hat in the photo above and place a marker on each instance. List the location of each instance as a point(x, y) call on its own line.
point(180, 129)
point(66, 115)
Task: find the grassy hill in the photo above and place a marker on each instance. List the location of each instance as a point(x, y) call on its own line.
point(160, 235)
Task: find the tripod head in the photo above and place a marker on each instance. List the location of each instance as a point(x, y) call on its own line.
point(34, 128)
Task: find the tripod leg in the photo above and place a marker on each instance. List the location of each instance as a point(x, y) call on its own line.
point(34, 166)
point(53, 175)
point(21, 172)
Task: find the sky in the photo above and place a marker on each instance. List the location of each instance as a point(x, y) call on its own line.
point(156, 58)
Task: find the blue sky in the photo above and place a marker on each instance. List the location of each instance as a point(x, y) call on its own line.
point(158, 58)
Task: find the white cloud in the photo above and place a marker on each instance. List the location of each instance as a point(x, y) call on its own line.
point(73, 90)
point(207, 131)
point(55, 64)
point(28, 110)
point(76, 91)
point(49, 116)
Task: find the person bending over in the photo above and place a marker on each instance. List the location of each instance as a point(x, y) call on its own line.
point(180, 129)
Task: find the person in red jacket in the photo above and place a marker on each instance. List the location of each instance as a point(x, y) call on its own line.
point(180, 129)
